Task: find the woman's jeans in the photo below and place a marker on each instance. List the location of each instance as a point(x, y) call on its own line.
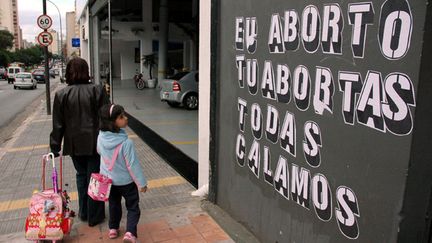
point(90, 210)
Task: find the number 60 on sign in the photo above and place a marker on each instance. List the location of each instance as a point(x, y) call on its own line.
point(44, 21)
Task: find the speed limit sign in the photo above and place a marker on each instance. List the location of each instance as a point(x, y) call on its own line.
point(44, 21)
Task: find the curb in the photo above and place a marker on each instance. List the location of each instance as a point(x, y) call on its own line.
point(234, 229)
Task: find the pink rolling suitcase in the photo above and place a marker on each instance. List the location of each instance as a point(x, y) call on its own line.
point(49, 218)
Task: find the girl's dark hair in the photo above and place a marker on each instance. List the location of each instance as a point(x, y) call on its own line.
point(77, 71)
point(107, 120)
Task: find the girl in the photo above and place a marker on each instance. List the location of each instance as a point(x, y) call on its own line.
point(119, 162)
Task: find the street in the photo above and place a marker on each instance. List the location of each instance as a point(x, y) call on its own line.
point(14, 101)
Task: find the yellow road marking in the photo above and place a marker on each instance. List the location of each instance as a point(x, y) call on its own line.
point(184, 142)
point(167, 181)
point(42, 120)
point(24, 203)
point(20, 149)
point(45, 146)
point(42, 146)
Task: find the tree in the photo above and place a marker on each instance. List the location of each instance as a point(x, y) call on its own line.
point(29, 56)
point(6, 40)
point(4, 58)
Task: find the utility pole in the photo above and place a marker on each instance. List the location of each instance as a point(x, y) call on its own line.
point(110, 52)
point(47, 80)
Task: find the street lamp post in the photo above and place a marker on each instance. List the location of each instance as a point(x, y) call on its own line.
point(61, 37)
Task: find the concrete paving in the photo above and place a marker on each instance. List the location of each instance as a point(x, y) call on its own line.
point(169, 213)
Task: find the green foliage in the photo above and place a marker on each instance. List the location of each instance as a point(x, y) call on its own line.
point(6, 39)
point(30, 56)
point(149, 61)
point(4, 58)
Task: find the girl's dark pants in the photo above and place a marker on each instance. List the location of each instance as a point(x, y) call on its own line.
point(131, 196)
point(93, 211)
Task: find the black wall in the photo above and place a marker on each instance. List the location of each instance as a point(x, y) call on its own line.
point(370, 180)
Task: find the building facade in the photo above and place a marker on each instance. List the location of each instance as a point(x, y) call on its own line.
point(314, 118)
point(9, 20)
point(26, 44)
point(72, 31)
point(54, 48)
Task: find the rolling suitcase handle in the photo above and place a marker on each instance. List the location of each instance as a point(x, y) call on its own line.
point(46, 158)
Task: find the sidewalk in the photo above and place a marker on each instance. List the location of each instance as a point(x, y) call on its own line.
point(168, 212)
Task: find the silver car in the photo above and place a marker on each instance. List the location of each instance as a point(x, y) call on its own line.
point(24, 80)
point(182, 88)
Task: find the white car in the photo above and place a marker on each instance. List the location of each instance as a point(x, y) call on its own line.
point(182, 88)
point(24, 80)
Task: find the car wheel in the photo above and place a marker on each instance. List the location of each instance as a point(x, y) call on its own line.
point(173, 103)
point(191, 101)
point(15, 87)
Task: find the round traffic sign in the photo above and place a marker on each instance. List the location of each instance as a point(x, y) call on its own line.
point(44, 21)
point(45, 38)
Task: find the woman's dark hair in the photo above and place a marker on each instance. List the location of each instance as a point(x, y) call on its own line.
point(107, 118)
point(77, 71)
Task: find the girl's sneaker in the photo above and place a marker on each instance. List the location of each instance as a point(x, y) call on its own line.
point(129, 238)
point(113, 233)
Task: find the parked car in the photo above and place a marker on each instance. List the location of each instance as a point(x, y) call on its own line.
point(24, 80)
point(39, 75)
point(12, 71)
point(3, 73)
point(182, 88)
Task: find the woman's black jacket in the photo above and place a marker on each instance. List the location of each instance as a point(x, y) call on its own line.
point(75, 118)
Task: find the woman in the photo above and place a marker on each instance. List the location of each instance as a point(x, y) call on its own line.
point(75, 119)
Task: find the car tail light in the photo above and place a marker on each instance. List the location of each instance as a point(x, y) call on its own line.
point(176, 86)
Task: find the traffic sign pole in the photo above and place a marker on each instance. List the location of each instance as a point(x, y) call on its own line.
point(47, 78)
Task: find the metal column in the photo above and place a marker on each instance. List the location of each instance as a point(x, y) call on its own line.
point(110, 52)
point(163, 39)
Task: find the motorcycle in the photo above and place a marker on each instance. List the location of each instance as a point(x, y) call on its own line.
point(139, 81)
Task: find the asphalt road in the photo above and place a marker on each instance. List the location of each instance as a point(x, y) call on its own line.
point(13, 102)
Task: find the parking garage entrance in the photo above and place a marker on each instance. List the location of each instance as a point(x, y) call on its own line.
point(171, 130)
